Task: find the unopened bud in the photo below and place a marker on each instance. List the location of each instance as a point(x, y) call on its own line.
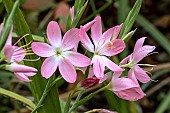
point(89, 82)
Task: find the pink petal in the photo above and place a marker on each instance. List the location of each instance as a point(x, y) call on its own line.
point(123, 83)
point(22, 77)
point(98, 66)
point(1, 29)
point(42, 49)
point(14, 67)
point(111, 65)
point(87, 26)
point(30, 74)
point(9, 39)
point(131, 75)
point(8, 52)
point(142, 52)
point(72, 12)
point(19, 54)
point(54, 34)
point(141, 74)
point(70, 39)
point(139, 44)
point(85, 40)
point(96, 30)
point(77, 59)
point(114, 47)
point(125, 60)
point(67, 70)
point(49, 66)
point(112, 33)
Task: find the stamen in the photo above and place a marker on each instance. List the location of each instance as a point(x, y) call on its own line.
point(152, 53)
point(33, 60)
point(30, 53)
point(20, 39)
point(28, 50)
point(149, 65)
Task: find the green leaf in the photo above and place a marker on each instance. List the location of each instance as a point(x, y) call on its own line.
point(127, 25)
point(128, 36)
point(7, 26)
point(164, 105)
point(157, 35)
point(17, 97)
point(77, 17)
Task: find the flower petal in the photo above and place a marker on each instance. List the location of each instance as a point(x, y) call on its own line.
point(141, 74)
point(98, 66)
point(88, 25)
point(111, 65)
point(8, 52)
point(22, 77)
point(14, 67)
point(19, 54)
point(125, 60)
point(70, 39)
point(139, 44)
point(54, 34)
point(9, 39)
point(112, 33)
point(113, 47)
point(142, 52)
point(96, 30)
point(85, 40)
point(77, 59)
point(67, 70)
point(49, 66)
point(42, 49)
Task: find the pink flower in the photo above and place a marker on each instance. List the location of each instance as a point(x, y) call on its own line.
point(21, 71)
point(126, 88)
point(60, 53)
point(138, 54)
point(89, 82)
point(16, 54)
point(12, 52)
point(103, 45)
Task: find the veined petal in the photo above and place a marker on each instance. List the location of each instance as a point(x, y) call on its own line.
point(9, 39)
point(87, 26)
point(22, 77)
point(131, 75)
point(49, 66)
point(141, 74)
point(112, 33)
point(67, 70)
point(142, 52)
point(19, 54)
point(77, 59)
point(8, 52)
point(30, 74)
point(72, 12)
point(42, 49)
point(85, 40)
point(111, 65)
point(14, 67)
point(123, 83)
point(70, 39)
point(54, 34)
point(98, 66)
point(113, 47)
point(125, 60)
point(96, 30)
point(139, 44)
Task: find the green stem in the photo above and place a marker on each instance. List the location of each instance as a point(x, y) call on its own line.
point(2, 59)
point(85, 99)
point(45, 93)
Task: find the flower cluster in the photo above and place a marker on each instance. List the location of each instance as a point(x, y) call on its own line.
point(15, 54)
point(61, 53)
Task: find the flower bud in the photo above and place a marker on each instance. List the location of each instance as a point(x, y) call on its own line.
point(89, 82)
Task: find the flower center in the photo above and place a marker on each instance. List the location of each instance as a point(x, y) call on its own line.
point(58, 52)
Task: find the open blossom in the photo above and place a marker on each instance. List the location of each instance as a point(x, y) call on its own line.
point(16, 54)
point(60, 53)
point(103, 45)
point(138, 54)
point(126, 88)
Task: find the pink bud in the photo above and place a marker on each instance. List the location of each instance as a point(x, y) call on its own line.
point(89, 82)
